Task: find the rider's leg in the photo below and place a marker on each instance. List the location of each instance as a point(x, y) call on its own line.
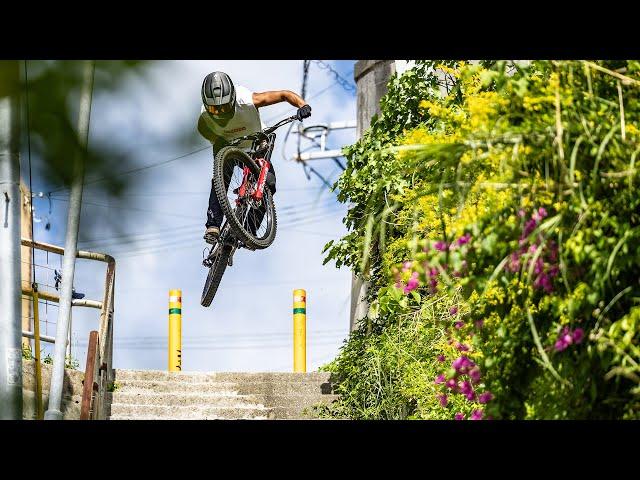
point(215, 214)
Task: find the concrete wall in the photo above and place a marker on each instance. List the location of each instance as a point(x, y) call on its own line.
point(371, 77)
point(71, 393)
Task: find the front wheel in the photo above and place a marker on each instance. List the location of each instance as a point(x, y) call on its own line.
point(215, 275)
point(253, 223)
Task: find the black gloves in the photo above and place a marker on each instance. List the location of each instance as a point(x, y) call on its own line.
point(303, 112)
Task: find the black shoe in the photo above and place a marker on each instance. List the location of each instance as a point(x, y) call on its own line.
point(211, 235)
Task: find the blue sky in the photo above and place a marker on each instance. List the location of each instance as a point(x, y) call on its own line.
point(158, 244)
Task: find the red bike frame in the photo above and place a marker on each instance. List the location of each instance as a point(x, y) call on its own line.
point(259, 191)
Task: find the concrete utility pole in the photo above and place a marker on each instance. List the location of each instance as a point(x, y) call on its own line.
point(70, 249)
point(371, 78)
point(11, 200)
point(25, 255)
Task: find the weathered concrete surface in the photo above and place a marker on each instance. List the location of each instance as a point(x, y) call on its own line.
point(371, 77)
point(153, 394)
point(71, 392)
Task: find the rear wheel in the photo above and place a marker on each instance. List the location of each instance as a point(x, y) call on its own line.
point(253, 223)
point(215, 275)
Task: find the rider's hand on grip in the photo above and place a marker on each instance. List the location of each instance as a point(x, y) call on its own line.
point(303, 112)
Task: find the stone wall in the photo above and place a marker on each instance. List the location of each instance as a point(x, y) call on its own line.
point(71, 393)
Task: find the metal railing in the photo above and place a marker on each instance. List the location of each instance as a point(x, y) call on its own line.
point(98, 375)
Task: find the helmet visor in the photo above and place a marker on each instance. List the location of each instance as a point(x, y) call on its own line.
point(219, 111)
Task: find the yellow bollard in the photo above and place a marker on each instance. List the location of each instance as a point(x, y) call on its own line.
point(175, 330)
point(299, 330)
point(36, 341)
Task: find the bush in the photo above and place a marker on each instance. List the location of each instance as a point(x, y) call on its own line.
point(508, 206)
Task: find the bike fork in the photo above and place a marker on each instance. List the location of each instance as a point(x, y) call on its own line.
point(259, 190)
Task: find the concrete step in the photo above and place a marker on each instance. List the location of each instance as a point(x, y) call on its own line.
point(189, 412)
point(158, 394)
point(154, 418)
point(220, 400)
point(200, 377)
point(178, 399)
point(222, 387)
point(163, 412)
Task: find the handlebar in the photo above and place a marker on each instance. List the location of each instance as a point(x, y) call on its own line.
point(264, 132)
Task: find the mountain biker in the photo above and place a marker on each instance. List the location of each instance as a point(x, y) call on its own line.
point(229, 112)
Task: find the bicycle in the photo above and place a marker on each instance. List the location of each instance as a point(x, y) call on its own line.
point(247, 208)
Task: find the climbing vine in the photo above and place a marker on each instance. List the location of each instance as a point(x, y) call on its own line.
point(495, 212)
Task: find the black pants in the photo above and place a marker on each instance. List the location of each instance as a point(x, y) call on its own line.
point(214, 212)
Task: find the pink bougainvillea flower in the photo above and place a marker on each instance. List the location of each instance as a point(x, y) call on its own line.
point(464, 387)
point(485, 397)
point(471, 396)
point(464, 239)
point(479, 323)
point(529, 226)
point(462, 363)
point(459, 416)
point(413, 283)
point(407, 266)
point(521, 213)
point(451, 384)
point(560, 345)
point(440, 379)
point(539, 265)
point(474, 375)
point(453, 310)
point(462, 347)
point(443, 399)
point(440, 246)
point(458, 325)
point(539, 214)
point(441, 358)
point(578, 335)
point(477, 415)
point(514, 262)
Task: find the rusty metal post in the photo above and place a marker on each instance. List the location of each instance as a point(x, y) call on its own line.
point(89, 377)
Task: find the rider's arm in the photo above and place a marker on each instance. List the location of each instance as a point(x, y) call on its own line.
point(204, 130)
point(264, 99)
point(218, 142)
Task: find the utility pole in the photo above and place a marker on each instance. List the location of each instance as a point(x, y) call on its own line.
point(70, 248)
point(25, 255)
point(371, 78)
point(11, 200)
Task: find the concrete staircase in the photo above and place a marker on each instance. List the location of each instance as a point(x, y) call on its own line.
point(160, 395)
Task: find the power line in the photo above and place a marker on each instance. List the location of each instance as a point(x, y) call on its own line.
point(33, 250)
point(130, 208)
point(347, 85)
point(139, 169)
point(216, 347)
point(202, 192)
point(162, 339)
point(289, 109)
point(187, 243)
point(338, 79)
point(180, 229)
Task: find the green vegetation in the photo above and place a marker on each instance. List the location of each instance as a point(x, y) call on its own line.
point(69, 362)
point(496, 215)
